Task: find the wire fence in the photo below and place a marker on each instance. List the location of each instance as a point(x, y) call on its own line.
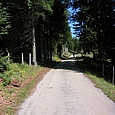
point(22, 59)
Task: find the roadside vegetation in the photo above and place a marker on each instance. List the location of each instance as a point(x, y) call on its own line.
point(14, 72)
point(22, 25)
point(16, 83)
point(95, 75)
point(56, 58)
point(96, 36)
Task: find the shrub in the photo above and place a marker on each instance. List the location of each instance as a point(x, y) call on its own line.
point(4, 66)
point(6, 79)
point(4, 63)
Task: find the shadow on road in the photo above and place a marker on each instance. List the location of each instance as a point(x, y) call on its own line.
point(66, 64)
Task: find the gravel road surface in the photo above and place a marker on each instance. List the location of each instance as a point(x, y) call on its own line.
point(66, 91)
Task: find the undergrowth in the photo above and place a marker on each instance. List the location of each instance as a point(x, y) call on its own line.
point(56, 58)
point(16, 71)
point(106, 87)
point(16, 95)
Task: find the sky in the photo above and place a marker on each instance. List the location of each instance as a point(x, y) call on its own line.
point(72, 30)
point(71, 24)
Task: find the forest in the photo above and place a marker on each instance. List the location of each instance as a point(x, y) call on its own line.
point(95, 26)
point(41, 27)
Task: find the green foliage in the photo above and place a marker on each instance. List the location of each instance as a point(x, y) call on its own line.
point(20, 70)
point(4, 63)
point(38, 9)
point(106, 87)
point(6, 78)
point(96, 26)
point(56, 58)
point(49, 19)
point(71, 45)
point(9, 111)
point(25, 91)
point(4, 23)
point(16, 71)
point(4, 66)
point(46, 5)
point(60, 30)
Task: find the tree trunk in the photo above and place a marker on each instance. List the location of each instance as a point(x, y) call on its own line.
point(50, 49)
point(34, 45)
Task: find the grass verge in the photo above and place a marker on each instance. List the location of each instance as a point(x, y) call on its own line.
point(56, 58)
point(12, 95)
point(107, 87)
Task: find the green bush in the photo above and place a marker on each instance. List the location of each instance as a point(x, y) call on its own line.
point(9, 71)
point(16, 71)
point(4, 63)
point(6, 79)
point(4, 66)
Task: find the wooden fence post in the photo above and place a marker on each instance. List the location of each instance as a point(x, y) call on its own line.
point(22, 58)
point(103, 70)
point(113, 75)
point(30, 59)
point(8, 57)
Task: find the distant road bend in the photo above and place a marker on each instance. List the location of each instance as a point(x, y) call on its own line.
point(66, 91)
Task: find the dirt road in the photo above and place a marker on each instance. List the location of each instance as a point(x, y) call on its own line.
point(66, 91)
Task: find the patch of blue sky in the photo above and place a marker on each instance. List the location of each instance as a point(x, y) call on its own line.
point(72, 22)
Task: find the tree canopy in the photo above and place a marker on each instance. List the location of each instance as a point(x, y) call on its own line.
point(96, 25)
point(4, 20)
point(39, 27)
